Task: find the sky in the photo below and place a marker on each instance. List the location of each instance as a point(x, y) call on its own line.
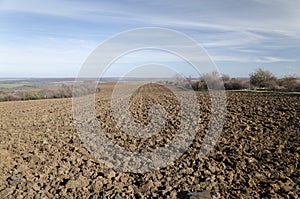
point(41, 38)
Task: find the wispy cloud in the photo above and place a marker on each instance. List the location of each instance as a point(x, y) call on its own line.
point(61, 31)
point(252, 59)
point(273, 60)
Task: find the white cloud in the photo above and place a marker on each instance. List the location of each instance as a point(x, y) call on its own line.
point(251, 59)
point(273, 60)
point(250, 30)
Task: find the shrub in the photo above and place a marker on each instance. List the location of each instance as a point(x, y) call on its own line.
point(226, 78)
point(66, 91)
point(10, 97)
point(195, 85)
point(62, 92)
point(26, 95)
point(211, 80)
point(235, 85)
point(86, 88)
point(263, 79)
point(271, 84)
point(2, 95)
point(199, 85)
point(290, 83)
point(31, 95)
point(47, 94)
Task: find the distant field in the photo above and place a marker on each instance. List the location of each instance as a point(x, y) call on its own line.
point(12, 86)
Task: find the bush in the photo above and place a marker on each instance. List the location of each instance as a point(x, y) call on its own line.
point(271, 84)
point(66, 91)
point(86, 88)
point(31, 95)
point(235, 85)
point(195, 85)
point(199, 85)
point(2, 95)
point(9, 97)
point(226, 78)
point(263, 79)
point(212, 80)
point(47, 94)
point(290, 83)
point(62, 92)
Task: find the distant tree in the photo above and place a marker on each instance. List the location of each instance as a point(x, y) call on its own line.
point(31, 95)
point(226, 78)
point(199, 85)
point(47, 93)
point(11, 97)
point(263, 79)
point(66, 91)
point(212, 80)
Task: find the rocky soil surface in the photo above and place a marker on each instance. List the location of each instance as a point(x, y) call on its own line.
point(256, 156)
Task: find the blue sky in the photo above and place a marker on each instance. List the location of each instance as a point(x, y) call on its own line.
point(41, 38)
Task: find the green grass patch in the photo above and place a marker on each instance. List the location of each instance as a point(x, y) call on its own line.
point(253, 91)
point(9, 86)
point(264, 91)
point(295, 93)
point(12, 86)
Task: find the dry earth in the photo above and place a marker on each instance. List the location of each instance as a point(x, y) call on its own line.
point(257, 155)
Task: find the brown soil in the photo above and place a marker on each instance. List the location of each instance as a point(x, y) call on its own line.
point(257, 154)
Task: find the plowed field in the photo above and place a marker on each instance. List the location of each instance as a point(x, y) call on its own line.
point(256, 156)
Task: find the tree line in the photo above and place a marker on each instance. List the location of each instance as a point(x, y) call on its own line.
point(64, 91)
point(258, 80)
